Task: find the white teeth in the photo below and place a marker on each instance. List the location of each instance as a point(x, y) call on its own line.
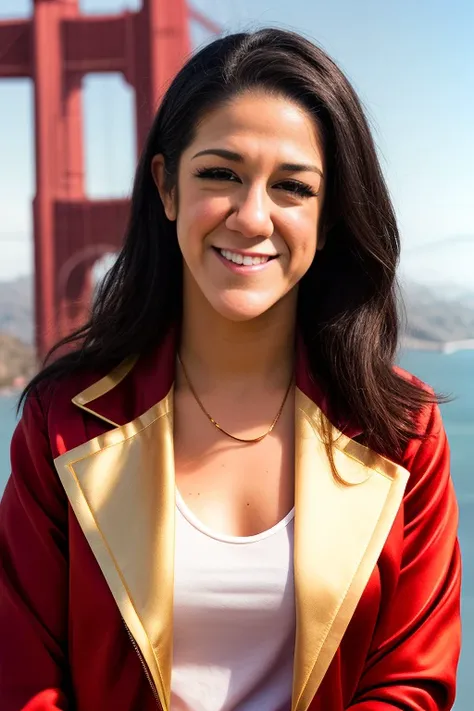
point(241, 259)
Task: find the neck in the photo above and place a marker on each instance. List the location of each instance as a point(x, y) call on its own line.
point(255, 352)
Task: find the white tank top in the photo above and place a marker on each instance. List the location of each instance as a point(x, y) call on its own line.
point(234, 618)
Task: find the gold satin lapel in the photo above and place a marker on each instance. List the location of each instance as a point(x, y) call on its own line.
point(340, 531)
point(103, 386)
point(121, 487)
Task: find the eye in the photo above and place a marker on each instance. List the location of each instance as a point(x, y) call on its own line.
point(298, 188)
point(216, 174)
point(295, 187)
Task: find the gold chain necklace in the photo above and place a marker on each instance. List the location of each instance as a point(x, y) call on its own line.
point(218, 426)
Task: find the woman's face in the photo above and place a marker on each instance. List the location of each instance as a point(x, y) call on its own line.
point(248, 203)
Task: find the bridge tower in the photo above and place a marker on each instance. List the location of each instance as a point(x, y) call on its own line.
point(56, 48)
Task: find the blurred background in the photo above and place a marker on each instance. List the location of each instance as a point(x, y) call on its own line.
point(412, 64)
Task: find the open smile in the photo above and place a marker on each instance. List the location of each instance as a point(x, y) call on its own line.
point(243, 262)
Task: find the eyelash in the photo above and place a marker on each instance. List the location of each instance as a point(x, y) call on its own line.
point(298, 188)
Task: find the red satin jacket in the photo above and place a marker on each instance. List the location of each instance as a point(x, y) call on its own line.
point(86, 536)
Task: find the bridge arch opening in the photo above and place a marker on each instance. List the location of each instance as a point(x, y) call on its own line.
point(78, 279)
point(110, 135)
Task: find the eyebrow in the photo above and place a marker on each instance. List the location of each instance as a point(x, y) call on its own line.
point(237, 158)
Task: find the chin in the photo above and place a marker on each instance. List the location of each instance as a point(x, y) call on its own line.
point(240, 310)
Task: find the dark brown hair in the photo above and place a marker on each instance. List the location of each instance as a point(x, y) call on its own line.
point(347, 300)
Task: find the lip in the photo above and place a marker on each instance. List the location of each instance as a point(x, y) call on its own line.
point(246, 253)
point(243, 268)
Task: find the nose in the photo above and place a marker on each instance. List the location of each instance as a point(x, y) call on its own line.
point(251, 215)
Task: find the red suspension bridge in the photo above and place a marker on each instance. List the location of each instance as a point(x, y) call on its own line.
point(56, 48)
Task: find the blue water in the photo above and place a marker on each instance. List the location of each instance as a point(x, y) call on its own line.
point(449, 374)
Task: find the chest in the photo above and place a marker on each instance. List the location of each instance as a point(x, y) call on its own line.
point(235, 488)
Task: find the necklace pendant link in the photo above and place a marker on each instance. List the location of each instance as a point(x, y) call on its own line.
point(253, 440)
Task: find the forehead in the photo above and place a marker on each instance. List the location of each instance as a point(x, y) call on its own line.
point(261, 124)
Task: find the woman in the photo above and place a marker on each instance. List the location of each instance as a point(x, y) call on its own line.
point(225, 496)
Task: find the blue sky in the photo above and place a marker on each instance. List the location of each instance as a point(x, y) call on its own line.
point(412, 64)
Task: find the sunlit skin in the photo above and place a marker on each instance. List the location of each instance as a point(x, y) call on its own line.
point(251, 182)
point(239, 189)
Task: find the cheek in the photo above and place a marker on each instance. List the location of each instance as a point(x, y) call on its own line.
point(301, 236)
point(200, 213)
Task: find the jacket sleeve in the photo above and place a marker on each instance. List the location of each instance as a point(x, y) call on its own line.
point(413, 660)
point(33, 574)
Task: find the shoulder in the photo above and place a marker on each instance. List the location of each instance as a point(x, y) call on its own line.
point(413, 379)
point(49, 413)
point(54, 393)
point(86, 402)
point(426, 455)
point(427, 411)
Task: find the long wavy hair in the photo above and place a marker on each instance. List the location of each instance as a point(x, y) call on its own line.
point(347, 310)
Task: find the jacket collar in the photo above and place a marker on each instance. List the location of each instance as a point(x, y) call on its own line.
point(132, 387)
point(127, 474)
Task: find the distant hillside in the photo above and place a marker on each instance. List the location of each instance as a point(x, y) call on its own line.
point(438, 316)
point(17, 361)
point(16, 308)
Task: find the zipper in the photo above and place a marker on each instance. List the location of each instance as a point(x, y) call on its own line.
point(144, 666)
